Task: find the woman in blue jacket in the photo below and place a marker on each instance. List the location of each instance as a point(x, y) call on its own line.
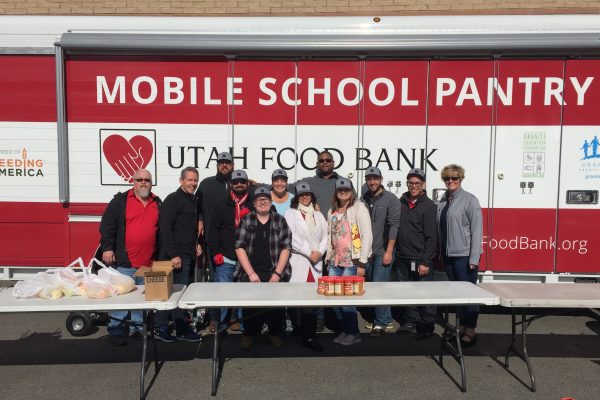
point(460, 231)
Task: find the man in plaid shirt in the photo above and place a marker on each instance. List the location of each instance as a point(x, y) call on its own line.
point(263, 246)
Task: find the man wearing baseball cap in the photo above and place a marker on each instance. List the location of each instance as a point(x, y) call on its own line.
point(221, 237)
point(415, 250)
point(212, 190)
point(384, 209)
point(263, 245)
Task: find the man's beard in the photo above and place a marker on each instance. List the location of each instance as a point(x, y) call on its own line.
point(239, 192)
point(144, 193)
point(226, 176)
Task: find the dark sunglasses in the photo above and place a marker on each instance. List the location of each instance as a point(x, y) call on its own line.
point(143, 180)
point(238, 182)
point(325, 160)
point(451, 178)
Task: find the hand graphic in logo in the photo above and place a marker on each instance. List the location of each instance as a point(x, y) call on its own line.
point(127, 156)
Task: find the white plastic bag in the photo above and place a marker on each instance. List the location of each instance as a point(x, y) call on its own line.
point(121, 282)
point(95, 287)
point(30, 287)
point(52, 289)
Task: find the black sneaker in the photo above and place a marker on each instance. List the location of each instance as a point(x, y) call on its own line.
point(377, 331)
point(407, 327)
point(313, 345)
point(190, 336)
point(118, 340)
point(164, 335)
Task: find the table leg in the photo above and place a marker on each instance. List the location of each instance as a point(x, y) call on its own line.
point(521, 353)
point(454, 349)
point(217, 357)
point(148, 328)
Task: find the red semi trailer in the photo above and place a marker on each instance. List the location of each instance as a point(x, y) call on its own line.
point(85, 101)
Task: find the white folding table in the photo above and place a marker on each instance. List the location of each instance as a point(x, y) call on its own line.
point(270, 295)
point(539, 295)
point(131, 301)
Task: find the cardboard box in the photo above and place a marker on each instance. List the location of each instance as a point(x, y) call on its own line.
point(158, 280)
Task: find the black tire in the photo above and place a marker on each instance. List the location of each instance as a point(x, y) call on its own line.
point(79, 324)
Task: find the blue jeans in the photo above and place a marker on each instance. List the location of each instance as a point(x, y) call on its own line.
point(346, 314)
point(377, 272)
point(457, 269)
point(118, 327)
point(224, 273)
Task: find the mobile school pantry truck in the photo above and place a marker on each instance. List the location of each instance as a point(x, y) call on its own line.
point(85, 101)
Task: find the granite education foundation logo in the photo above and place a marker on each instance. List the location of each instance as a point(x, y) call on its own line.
point(534, 154)
point(123, 152)
point(590, 159)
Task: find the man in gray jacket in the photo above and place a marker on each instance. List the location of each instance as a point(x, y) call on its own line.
point(384, 209)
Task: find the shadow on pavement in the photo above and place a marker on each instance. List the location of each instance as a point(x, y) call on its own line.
point(394, 345)
point(35, 348)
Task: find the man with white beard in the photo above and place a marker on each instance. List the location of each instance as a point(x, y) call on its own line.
point(128, 241)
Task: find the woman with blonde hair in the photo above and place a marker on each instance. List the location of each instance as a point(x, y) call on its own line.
point(460, 232)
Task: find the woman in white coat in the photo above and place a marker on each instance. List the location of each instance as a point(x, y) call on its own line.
point(309, 242)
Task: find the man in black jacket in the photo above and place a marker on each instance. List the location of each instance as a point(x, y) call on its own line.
point(179, 243)
point(415, 250)
point(212, 191)
point(128, 241)
point(221, 236)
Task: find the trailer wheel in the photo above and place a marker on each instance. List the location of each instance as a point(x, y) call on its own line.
point(79, 324)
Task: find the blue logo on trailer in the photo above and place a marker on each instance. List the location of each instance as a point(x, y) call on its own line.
point(590, 162)
point(593, 144)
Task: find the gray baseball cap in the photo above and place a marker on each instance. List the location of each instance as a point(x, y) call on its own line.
point(343, 183)
point(373, 171)
point(239, 174)
point(279, 173)
point(262, 191)
point(418, 172)
point(302, 187)
point(224, 156)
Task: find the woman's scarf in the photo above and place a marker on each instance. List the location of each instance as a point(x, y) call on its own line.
point(308, 212)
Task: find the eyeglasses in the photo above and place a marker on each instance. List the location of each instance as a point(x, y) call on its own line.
point(344, 190)
point(414, 184)
point(451, 178)
point(239, 182)
point(147, 180)
point(264, 200)
point(325, 160)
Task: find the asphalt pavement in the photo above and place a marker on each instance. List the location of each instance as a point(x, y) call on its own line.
point(39, 359)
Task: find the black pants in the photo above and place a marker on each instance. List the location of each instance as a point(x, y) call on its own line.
point(423, 316)
point(254, 318)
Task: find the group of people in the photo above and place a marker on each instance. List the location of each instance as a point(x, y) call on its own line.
point(296, 233)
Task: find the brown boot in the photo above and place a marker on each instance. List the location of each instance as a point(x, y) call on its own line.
point(246, 342)
point(276, 341)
